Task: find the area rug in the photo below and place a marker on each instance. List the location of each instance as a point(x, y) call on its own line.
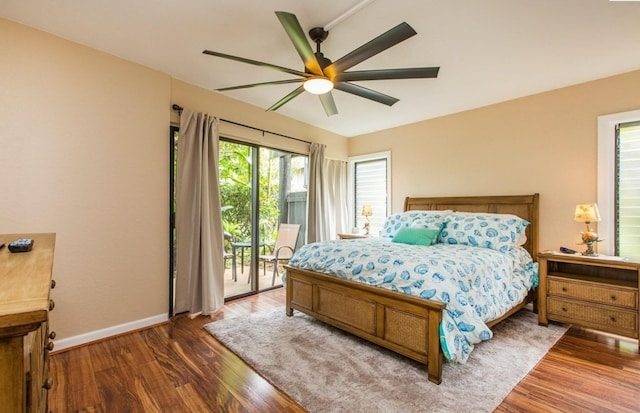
point(327, 370)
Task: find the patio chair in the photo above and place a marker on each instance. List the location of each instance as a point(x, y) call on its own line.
point(285, 247)
point(228, 241)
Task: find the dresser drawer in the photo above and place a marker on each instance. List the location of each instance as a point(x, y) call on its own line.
point(597, 293)
point(603, 318)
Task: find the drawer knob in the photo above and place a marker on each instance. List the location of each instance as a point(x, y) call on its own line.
point(49, 346)
point(564, 289)
point(613, 298)
point(52, 305)
point(52, 335)
point(564, 309)
point(53, 284)
point(48, 383)
point(613, 319)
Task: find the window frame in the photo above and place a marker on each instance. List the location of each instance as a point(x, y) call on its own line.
point(607, 175)
point(353, 160)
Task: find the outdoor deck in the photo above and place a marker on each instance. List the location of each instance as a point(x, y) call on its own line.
point(241, 286)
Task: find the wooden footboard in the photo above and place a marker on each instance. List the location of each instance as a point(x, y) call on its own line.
point(404, 324)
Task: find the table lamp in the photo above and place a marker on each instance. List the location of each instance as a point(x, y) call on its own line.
point(367, 211)
point(588, 213)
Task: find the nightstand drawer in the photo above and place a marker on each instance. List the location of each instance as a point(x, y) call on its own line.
point(617, 296)
point(592, 316)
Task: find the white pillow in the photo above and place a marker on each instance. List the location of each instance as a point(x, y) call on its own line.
point(500, 232)
point(431, 219)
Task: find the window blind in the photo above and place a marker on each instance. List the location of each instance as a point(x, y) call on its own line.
point(370, 186)
point(628, 190)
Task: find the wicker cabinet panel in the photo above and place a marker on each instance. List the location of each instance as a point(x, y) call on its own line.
point(598, 293)
point(603, 318)
point(352, 311)
point(302, 294)
point(406, 328)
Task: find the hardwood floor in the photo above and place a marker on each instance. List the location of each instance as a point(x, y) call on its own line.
point(585, 371)
point(169, 368)
point(179, 367)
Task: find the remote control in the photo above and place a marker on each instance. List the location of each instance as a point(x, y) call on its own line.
point(567, 250)
point(21, 245)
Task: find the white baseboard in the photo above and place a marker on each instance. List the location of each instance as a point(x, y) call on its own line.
point(81, 339)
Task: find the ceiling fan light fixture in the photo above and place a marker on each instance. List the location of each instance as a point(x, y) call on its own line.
point(321, 75)
point(318, 85)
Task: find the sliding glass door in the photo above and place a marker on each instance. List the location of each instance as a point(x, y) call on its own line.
point(238, 201)
point(260, 189)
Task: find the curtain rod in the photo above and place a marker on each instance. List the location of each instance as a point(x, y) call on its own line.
point(178, 108)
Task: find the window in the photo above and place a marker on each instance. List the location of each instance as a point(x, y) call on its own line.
point(628, 190)
point(370, 184)
point(619, 183)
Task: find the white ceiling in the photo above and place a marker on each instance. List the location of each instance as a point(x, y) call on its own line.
point(488, 50)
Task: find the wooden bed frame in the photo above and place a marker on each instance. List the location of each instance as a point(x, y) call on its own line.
point(402, 323)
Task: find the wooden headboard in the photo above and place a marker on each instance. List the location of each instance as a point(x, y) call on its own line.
point(524, 206)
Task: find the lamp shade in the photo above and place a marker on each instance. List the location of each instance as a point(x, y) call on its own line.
point(587, 213)
point(366, 211)
point(318, 85)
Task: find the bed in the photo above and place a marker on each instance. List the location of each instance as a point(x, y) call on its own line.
point(403, 323)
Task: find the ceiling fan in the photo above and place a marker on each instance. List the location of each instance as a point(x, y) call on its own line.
point(320, 74)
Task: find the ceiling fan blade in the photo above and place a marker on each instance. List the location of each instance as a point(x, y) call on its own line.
point(410, 73)
point(292, 26)
point(276, 82)
point(286, 99)
point(257, 63)
point(328, 104)
point(366, 93)
point(386, 40)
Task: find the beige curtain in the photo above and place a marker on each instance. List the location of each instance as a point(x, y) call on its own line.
point(335, 199)
point(315, 206)
point(327, 199)
point(199, 232)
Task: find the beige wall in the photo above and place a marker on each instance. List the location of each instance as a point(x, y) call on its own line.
point(544, 143)
point(84, 149)
point(84, 153)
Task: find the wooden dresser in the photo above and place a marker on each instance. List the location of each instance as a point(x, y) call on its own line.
point(25, 282)
point(591, 292)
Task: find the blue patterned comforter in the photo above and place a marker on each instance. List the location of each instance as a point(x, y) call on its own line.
point(477, 284)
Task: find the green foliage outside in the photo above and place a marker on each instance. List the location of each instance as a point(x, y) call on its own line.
point(235, 191)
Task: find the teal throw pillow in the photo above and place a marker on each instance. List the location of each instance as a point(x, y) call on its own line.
point(416, 236)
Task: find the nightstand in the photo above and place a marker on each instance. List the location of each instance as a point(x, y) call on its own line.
point(352, 236)
point(600, 293)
